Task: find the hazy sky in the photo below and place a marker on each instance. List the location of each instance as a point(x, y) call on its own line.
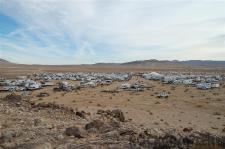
point(90, 31)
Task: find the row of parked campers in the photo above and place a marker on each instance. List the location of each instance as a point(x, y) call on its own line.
point(199, 81)
point(94, 79)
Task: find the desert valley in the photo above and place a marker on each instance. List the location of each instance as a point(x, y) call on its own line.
point(141, 104)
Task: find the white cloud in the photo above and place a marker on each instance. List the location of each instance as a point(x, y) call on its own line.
point(132, 29)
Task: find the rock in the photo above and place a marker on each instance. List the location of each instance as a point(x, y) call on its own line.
point(187, 141)
point(98, 126)
point(60, 137)
point(125, 132)
point(74, 131)
point(187, 129)
point(7, 136)
point(37, 122)
point(223, 130)
point(50, 126)
point(111, 134)
point(56, 89)
point(13, 98)
point(93, 130)
point(94, 124)
point(114, 123)
point(117, 113)
point(100, 111)
point(81, 114)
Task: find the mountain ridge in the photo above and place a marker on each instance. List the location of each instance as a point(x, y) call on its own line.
point(150, 62)
point(3, 61)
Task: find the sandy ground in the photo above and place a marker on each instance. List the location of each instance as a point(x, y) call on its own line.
point(185, 107)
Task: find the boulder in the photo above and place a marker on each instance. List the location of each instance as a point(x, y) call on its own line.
point(81, 114)
point(74, 131)
point(187, 129)
point(94, 124)
point(118, 114)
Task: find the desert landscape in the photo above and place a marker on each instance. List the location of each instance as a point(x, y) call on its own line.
point(112, 74)
point(112, 106)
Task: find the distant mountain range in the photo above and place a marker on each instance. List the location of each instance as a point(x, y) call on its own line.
point(150, 62)
point(204, 63)
point(3, 61)
point(176, 62)
point(157, 63)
